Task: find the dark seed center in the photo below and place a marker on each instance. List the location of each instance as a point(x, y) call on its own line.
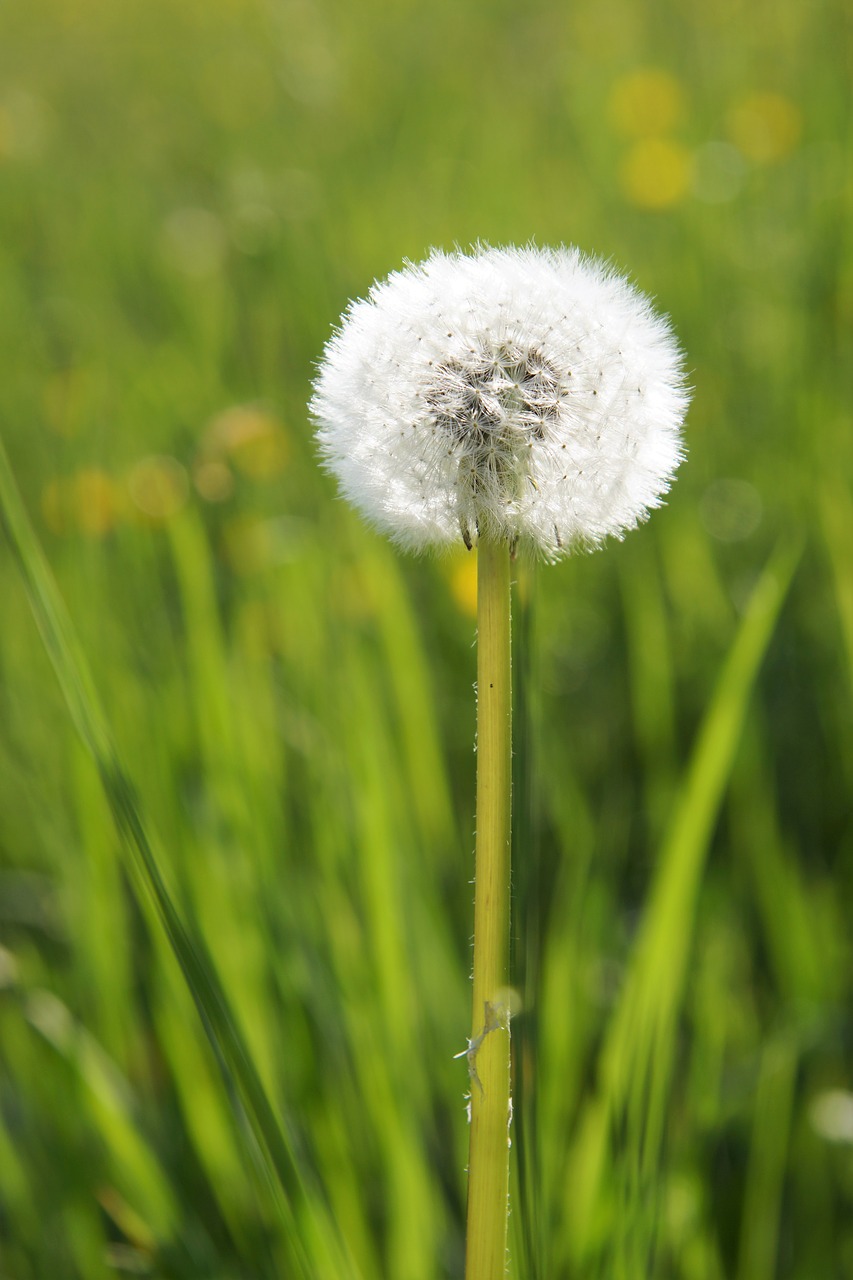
point(495, 395)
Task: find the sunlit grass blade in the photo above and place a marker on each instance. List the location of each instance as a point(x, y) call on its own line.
point(637, 1056)
point(301, 1206)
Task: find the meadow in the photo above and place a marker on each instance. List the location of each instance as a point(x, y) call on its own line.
point(250, 790)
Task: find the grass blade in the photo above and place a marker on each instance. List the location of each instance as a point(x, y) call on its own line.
point(638, 1053)
point(300, 1205)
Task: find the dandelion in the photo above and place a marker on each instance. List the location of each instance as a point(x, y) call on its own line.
point(508, 397)
point(521, 394)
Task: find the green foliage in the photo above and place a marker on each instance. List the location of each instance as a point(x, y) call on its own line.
point(274, 735)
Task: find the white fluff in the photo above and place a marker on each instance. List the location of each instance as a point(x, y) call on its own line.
point(525, 394)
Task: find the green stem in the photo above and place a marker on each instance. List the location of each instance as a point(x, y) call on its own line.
point(488, 1164)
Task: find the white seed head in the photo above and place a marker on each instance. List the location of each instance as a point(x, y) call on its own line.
point(525, 394)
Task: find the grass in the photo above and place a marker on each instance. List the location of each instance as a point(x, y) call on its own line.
point(275, 735)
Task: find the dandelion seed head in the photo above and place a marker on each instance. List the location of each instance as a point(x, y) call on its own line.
point(524, 394)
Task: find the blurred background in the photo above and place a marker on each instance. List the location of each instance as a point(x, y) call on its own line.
point(189, 194)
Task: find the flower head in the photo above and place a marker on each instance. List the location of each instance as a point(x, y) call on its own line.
point(525, 394)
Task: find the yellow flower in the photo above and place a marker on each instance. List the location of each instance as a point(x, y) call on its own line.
point(765, 126)
point(646, 103)
point(88, 502)
point(463, 584)
point(97, 502)
point(656, 173)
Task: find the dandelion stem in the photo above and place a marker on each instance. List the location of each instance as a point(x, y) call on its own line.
point(488, 1164)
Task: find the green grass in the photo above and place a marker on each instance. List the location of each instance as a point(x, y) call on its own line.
point(236, 833)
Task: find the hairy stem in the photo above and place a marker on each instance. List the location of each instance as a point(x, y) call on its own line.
point(488, 1056)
